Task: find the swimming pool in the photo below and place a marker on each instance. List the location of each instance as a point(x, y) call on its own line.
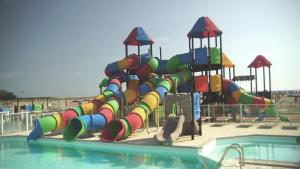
point(16, 153)
point(258, 147)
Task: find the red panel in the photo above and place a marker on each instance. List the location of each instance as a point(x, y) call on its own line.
point(107, 114)
point(259, 101)
point(68, 115)
point(144, 71)
point(135, 121)
point(201, 83)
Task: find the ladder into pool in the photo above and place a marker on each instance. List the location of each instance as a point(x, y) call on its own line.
point(239, 149)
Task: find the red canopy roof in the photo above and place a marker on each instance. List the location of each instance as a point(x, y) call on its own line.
point(138, 37)
point(204, 27)
point(260, 61)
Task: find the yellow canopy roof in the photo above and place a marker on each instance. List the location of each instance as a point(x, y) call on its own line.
point(226, 61)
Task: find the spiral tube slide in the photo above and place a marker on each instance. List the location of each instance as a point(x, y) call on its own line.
point(122, 128)
point(80, 125)
point(131, 63)
point(60, 120)
point(240, 96)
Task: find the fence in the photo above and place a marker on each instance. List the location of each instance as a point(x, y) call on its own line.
point(19, 122)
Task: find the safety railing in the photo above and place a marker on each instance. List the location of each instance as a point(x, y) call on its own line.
point(239, 149)
point(19, 122)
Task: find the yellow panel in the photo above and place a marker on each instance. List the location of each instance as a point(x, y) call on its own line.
point(123, 64)
point(88, 108)
point(101, 98)
point(130, 96)
point(226, 61)
point(140, 111)
point(215, 83)
point(152, 100)
point(133, 84)
point(107, 106)
point(59, 121)
point(236, 95)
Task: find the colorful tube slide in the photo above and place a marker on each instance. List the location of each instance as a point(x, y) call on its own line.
point(122, 128)
point(115, 71)
point(80, 125)
point(60, 120)
point(240, 96)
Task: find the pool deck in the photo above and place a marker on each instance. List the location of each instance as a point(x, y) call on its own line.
point(209, 132)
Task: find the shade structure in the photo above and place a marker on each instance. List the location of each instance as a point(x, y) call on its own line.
point(204, 28)
point(260, 61)
point(138, 37)
point(226, 61)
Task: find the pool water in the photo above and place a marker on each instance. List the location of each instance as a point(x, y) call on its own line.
point(16, 153)
point(271, 148)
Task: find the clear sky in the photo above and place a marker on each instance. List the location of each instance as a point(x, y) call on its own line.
point(61, 47)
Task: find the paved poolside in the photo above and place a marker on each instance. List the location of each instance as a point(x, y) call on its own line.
point(209, 132)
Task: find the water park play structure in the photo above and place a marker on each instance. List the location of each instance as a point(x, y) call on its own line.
point(198, 75)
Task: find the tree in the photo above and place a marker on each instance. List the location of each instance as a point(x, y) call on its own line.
point(6, 95)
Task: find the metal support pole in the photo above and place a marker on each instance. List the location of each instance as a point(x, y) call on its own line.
point(264, 78)
point(2, 123)
point(250, 80)
point(221, 58)
point(192, 90)
point(151, 50)
point(160, 54)
point(209, 69)
point(270, 82)
point(256, 81)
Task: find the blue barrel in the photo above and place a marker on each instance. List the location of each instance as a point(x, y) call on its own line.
point(121, 97)
point(145, 58)
point(144, 89)
point(232, 87)
point(113, 87)
point(112, 68)
point(162, 91)
point(133, 77)
point(98, 121)
point(87, 121)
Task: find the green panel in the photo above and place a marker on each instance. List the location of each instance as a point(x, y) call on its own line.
point(246, 98)
point(103, 83)
point(173, 64)
point(127, 128)
point(107, 93)
point(114, 104)
point(153, 63)
point(75, 129)
point(155, 80)
point(47, 124)
point(215, 56)
point(165, 84)
point(78, 110)
point(37, 107)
